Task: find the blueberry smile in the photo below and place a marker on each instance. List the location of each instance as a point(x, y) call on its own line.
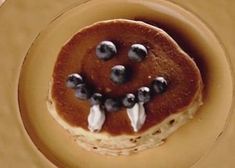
point(119, 74)
point(143, 94)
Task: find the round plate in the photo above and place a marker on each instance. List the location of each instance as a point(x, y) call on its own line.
point(182, 149)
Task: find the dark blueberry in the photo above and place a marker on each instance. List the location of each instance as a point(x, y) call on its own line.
point(112, 105)
point(106, 50)
point(119, 74)
point(82, 92)
point(129, 101)
point(73, 80)
point(144, 94)
point(96, 99)
point(159, 85)
point(137, 52)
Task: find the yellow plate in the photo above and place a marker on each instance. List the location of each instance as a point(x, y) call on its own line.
point(183, 149)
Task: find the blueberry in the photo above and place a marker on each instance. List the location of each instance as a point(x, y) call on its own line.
point(112, 105)
point(129, 101)
point(119, 74)
point(106, 50)
point(82, 92)
point(159, 85)
point(73, 80)
point(137, 52)
point(144, 94)
point(96, 99)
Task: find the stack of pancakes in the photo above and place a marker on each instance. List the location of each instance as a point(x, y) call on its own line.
point(164, 113)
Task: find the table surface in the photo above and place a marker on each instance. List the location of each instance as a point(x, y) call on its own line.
point(16, 19)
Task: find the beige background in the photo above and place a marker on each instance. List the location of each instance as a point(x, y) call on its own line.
point(16, 18)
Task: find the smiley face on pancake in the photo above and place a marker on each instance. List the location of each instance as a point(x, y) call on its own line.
point(119, 75)
point(122, 77)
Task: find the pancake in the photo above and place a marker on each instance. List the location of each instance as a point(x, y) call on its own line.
point(164, 113)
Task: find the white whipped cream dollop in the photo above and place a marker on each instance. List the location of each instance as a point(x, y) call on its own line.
point(96, 118)
point(137, 116)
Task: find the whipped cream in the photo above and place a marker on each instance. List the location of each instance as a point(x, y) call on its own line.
point(96, 118)
point(137, 116)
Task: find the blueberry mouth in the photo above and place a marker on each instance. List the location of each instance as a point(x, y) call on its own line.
point(112, 104)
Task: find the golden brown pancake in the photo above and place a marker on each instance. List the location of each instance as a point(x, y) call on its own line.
point(165, 58)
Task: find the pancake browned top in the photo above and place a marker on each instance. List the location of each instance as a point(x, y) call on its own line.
point(165, 58)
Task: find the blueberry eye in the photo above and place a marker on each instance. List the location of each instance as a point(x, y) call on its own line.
point(137, 52)
point(106, 50)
